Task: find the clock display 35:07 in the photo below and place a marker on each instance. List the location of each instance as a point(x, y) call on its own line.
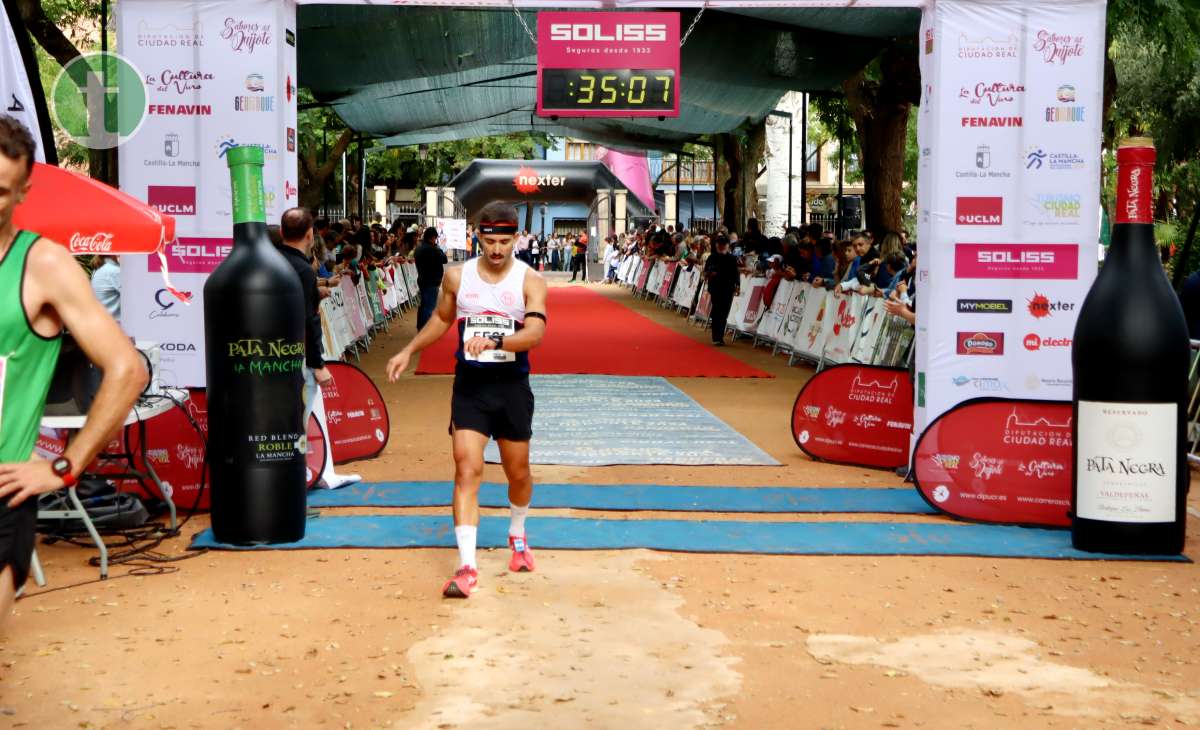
point(580, 88)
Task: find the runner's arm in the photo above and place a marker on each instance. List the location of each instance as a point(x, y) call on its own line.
point(59, 282)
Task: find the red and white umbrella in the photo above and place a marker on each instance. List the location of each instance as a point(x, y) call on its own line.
point(89, 217)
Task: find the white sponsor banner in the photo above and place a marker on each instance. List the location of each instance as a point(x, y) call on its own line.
point(218, 75)
point(686, 287)
point(452, 234)
point(1008, 195)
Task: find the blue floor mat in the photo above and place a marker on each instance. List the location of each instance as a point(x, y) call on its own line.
point(772, 538)
point(602, 420)
point(622, 497)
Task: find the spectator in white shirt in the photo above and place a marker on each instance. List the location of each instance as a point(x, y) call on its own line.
point(106, 283)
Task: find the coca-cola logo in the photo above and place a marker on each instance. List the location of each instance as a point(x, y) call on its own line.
point(98, 242)
point(992, 94)
point(986, 467)
point(246, 37)
point(1056, 48)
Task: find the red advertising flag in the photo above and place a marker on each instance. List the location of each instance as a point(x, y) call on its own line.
point(356, 414)
point(999, 460)
point(855, 414)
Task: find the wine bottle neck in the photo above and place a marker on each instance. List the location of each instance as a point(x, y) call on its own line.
point(249, 203)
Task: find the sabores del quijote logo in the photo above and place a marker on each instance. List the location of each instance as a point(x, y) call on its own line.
point(246, 36)
point(1057, 48)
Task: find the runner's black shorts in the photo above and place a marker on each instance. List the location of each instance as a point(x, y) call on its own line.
point(501, 408)
point(17, 532)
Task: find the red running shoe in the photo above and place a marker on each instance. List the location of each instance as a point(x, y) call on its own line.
point(522, 557)
point(461, 585)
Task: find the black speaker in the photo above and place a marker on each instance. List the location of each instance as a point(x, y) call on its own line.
point(75, 381)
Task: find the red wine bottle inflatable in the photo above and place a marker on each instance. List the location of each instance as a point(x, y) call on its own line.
point(1130, 362)
point(254, 335)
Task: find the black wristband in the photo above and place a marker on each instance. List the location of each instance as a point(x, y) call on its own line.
point(538, 315)
point(498, 340)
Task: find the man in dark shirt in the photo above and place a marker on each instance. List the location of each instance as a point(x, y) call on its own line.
point(754, 241)
point(296, 229)
point(724, 279)
point(431, 264)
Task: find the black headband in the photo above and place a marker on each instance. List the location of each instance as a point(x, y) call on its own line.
point(497, 227)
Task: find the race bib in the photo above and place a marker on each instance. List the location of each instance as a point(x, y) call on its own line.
point(489, 325)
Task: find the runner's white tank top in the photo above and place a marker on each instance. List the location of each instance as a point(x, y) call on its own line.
point(485, 309)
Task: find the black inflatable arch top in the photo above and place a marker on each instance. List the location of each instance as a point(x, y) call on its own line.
point(533, 181)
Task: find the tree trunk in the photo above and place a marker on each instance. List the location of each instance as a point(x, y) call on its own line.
point(720, 177)
point(752, 156)
point(731, 156)
point(313, 176)
point(880, 110)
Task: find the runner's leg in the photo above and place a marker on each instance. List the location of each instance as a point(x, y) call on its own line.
point(7, 594)
point(468, 472)
point(514, 457)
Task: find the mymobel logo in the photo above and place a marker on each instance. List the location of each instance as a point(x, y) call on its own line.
point(99, 100)
point(172, 199)
point(528, 181)
point(620, 32)
point(979, 211)
point(985, 306)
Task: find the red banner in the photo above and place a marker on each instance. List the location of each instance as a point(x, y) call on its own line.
point(855, 414)
point(664, 291)
point(356, 414)
point(996, 460)
point(644, 274)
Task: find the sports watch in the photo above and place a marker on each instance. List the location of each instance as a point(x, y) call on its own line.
point(62, 469)
point(498, 340)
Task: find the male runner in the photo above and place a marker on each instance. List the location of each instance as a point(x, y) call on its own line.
point(499, 304)
point(42, 289)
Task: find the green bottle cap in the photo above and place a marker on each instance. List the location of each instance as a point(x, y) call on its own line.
point(246, 175)
point(245, 155)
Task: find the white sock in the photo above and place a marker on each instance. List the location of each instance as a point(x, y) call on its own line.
point(516, 528)
point(465, 536)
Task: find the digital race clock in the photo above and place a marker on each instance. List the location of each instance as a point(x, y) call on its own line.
point(608, 64)
point(608, 89)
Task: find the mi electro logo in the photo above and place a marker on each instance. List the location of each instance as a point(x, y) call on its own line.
point(985, 306)
point(627, 32)
point(979, 211)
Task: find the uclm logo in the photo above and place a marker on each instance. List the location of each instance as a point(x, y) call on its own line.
point(528, 181)
point(620, 32)
point(979, 211)
point(172, 199)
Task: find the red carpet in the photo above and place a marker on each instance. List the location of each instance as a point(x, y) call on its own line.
point(591, 334)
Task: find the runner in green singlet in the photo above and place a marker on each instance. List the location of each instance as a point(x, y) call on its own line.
point(43, 289)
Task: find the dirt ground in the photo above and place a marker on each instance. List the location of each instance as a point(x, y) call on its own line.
point(633, 639)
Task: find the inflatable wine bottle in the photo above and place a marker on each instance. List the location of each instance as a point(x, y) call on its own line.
point(254, 337)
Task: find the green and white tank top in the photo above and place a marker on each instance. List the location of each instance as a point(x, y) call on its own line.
point(27, 360)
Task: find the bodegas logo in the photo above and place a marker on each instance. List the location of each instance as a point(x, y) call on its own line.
point(980, 343)
point(979, 211)
point(1035, 431)
point(172, 199)
point(181, 81)
point(1016, 261)
point(984, 306)
point(1040, 306)
point(1057, 48)
point(170, 35)
point(528, 181)
point(246, 37)
point(165, 303)
point(1034, 343)
point(609, 33)
point(972, 48)
point(991, 93)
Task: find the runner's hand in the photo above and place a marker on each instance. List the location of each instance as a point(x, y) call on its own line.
point(397, 365)
point(27, 479)
point(476, 345)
